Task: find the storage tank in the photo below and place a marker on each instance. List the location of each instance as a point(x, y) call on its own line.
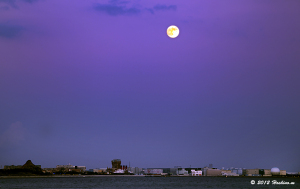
point(275, 171)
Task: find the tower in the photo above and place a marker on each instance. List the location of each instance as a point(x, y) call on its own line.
point(116, 163)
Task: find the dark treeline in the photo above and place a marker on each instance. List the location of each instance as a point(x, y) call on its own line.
point(21, 172)
point(28, 169)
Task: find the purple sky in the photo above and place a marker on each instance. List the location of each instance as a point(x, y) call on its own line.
point(85, 82)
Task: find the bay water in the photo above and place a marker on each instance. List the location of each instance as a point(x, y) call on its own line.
point(142, 182)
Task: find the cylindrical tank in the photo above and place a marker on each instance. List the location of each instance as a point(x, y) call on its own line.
point(275, 171)
point(240, 171)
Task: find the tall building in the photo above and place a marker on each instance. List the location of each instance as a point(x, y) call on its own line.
point(116, 163)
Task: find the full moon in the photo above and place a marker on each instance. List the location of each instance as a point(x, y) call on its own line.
point(173, 31)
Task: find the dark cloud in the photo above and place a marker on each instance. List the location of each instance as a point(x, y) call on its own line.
point(13, 3)
point(161, 8)
point(30, 1)
point(150, 10)
point(116, 7)
point(4, 8)
point(9, 31)
point(164, 7)
point(10, 3)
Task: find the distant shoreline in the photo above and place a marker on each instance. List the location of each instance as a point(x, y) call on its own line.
point(64, 176)
point(82, 176)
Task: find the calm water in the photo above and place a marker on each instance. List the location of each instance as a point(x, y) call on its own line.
point(143, 182)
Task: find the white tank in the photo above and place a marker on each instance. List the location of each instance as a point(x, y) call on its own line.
point(275, 171)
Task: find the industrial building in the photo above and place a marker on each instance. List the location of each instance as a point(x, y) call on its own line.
point(267, 172)
point(153, 171)
point(196, 173)
point(213, 172)
point(49, 170)
point(206, 171)
point(293, 174)
point(238, 171)
point(225, 171)
point(98, 170)
point(251, 172)
point(69, 167)
point(282, 172)
point(228, 173)
point(182, 171)
point(135, 170)
point(264, 172)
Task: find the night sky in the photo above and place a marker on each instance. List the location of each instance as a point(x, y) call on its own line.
point(85, 82)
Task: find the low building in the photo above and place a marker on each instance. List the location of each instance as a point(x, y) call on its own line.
point(293, 174)
point(196, 173)
point(283, 172)
point(76, 170)
point(238, 171)
point(101, 170)
point(13, 166)
point(64, 167)
point(49, 170)
point(69, 167)
point(213, 172)
point(93, 170)
point(183, 172)
point(83, 168)
point(173, 171)
point(225, 171)
point(153, 171)
point(267, 173)
point(251, 172)
point(135, 170)
point(229, 174)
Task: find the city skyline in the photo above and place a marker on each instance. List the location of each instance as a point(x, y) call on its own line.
point(87, 81)
point(117, 166)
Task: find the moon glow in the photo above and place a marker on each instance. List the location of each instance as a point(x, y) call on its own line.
point(173, 31)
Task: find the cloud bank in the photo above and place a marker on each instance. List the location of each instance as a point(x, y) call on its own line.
point(13, 3)
point(164, 7)
point(115, 8)
point(9, 31)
